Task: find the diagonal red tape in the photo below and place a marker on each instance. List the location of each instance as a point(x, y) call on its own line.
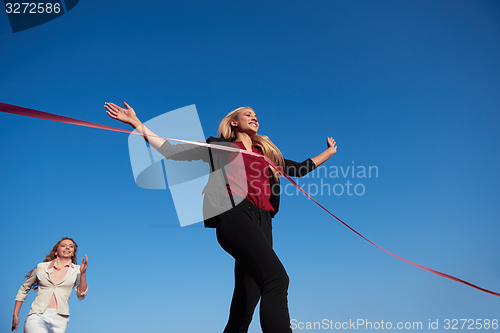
point(8, 108)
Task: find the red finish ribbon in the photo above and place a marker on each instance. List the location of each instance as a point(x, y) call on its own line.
point(8, 108)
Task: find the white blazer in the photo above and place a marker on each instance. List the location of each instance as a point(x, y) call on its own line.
point(46, 288)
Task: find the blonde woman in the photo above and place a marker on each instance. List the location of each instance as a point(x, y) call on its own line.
point(54, 278)
point(249, 199)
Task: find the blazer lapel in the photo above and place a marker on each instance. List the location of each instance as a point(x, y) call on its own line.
point(47, 273)
point(71, 271)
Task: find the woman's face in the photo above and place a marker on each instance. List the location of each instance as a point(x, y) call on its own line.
point(246, 122)
point(66, 249)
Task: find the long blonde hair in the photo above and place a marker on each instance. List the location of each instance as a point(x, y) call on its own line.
point(267, 147)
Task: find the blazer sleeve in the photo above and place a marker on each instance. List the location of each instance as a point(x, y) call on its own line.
point(184, 152)
point(80, 295)
point(296, 169)
point(23, 291)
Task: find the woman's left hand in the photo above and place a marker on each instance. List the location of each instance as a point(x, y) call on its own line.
point(329, 152)
point(84, 265)
point(332, 147)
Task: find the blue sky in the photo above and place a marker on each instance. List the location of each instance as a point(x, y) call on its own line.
point(410, 87)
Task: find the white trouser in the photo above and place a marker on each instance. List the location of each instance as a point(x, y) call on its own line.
point(47, 322)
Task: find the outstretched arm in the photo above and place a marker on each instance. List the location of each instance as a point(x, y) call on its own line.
point(179, 152)
point(129, 117)
point(329, 152)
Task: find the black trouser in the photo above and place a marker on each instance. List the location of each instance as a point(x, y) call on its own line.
point(245, 232)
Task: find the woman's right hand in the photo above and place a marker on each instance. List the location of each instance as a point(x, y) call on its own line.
point(126, 116)
point(15, 322)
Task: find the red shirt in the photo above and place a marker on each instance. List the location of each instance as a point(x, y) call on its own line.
point(250, 180)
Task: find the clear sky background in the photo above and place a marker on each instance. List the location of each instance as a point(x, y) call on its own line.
point(411, 87)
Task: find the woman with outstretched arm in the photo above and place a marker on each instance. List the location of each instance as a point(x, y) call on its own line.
point(251, 191)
